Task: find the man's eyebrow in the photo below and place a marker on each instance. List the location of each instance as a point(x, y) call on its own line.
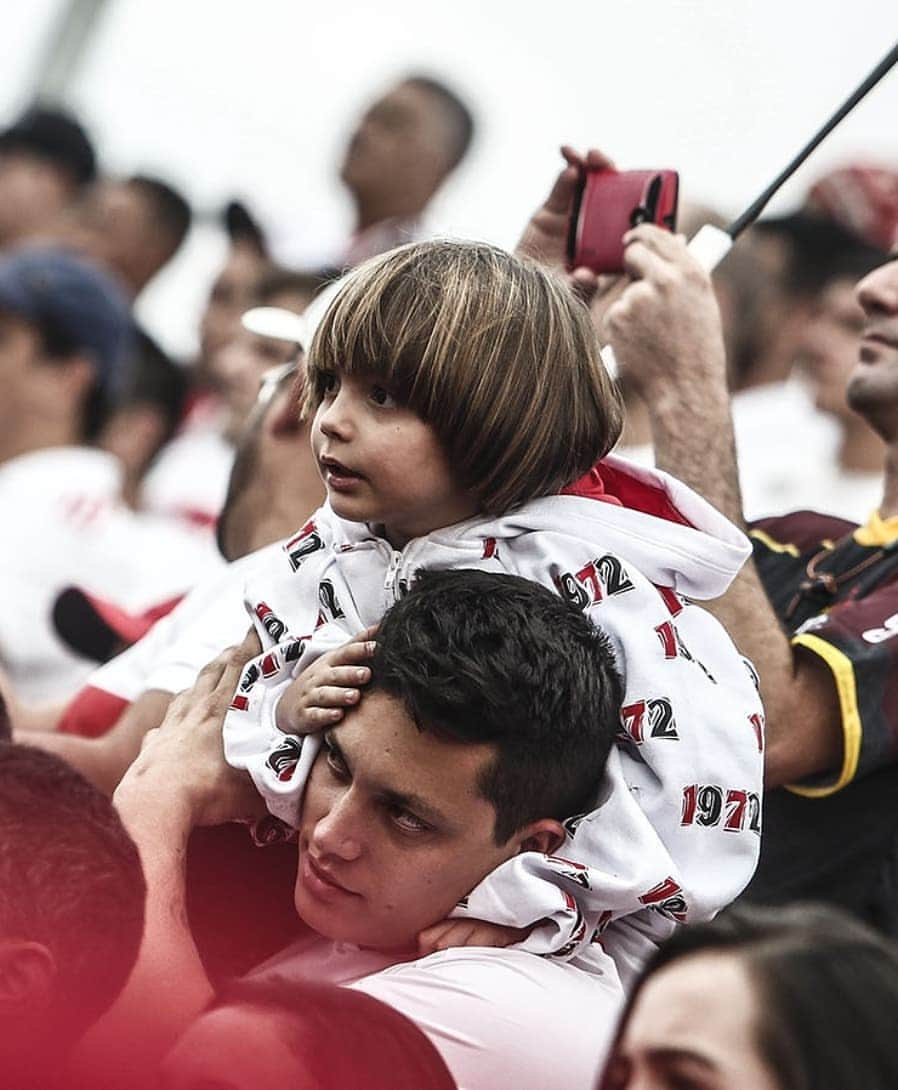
point(679, 1055)
point(405, 800)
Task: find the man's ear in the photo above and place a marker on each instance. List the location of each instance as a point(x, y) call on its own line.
point(27, 978)
point(545, 836)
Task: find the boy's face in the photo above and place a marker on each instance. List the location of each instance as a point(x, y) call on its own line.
point(381, 463)
point(394, 830)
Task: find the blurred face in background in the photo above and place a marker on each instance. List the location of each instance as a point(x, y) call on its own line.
point(692, 1027)
point(237, 368)
point(33, 196)
point(400, 146)
point(233, 293)
point(828, 346)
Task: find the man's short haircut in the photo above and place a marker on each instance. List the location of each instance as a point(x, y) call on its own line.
point(460, 118)
point(70, 879)
point(492, 351)
point(483, 658)
point(171, 212)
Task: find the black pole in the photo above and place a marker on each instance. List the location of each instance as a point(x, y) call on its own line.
point(757, 207)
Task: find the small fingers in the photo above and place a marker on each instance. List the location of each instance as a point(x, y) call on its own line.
point(356, 651)
point(331, 696)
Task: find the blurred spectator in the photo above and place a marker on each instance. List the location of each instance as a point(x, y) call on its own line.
point(64, 333)
point(147, 415)
point(799, 997)
point(401, 152)
point(849, 484)
point(71, 912)
point(189, 478)
point(132, 226)
point(236, 369)
point(46, 158)
point(294, 1035)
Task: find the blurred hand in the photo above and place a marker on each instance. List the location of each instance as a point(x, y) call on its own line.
point(322, 692)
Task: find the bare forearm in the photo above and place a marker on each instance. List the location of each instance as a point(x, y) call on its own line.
point(693, 437)
point(168, 986)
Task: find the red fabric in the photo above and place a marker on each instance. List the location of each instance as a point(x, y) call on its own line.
point(610, 485)
point(91, 712)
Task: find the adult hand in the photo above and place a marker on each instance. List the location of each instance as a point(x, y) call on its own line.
point(545, 236)
point(181, 766)
point(318, 697)
point(665, 325)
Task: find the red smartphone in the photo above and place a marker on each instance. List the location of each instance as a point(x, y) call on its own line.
point(608, 203)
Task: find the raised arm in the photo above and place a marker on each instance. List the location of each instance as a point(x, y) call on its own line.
point(666, 333)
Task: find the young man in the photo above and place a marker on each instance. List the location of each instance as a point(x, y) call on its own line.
point(71, 912)
point(817, 610)
point(489, 717)
point(402, 150)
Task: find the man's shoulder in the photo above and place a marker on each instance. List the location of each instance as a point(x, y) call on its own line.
point(797, 531)
point(507, 1017)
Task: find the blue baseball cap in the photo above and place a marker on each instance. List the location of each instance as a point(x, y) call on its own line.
point(75, 305)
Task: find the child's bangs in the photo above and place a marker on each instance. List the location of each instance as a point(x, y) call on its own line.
point(375, 327)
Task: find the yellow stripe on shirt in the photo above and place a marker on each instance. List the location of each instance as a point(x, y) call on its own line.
point(843, 672)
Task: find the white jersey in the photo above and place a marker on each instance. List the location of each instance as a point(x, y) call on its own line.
point(499, 1018)
point(674, 834)
point(64, 524)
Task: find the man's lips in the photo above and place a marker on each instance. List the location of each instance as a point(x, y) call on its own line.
point(887, 337)
point(319, 881)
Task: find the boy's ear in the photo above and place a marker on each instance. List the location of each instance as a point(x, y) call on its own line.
point(27, 978)
point(545, 836)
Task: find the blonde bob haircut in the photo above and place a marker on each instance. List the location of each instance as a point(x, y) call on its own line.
point(492, 351)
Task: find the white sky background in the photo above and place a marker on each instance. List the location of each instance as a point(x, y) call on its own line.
point(227, 98)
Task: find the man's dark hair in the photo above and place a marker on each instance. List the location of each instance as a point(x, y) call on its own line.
point(170, 210)
point(56, 137)
point(483, 658)
point(819, 250)
point(460, 117)
point(70, 879)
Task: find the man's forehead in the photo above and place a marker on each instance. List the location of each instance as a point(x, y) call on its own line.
point(388, 751)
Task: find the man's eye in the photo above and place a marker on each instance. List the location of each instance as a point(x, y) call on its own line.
point(380, 396)
point(408, 822)
point(336, 764)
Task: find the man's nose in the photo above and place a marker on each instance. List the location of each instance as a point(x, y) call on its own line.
point(338, 833)
point(877, 293)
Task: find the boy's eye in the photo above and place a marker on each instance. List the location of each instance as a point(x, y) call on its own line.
point(382, 397)
point(328, 382)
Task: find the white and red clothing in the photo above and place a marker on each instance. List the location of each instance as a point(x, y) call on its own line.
point(65, 524)
point(675, 831)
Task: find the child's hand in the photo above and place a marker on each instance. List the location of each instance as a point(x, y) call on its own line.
point(317, 698)
point(448, 933)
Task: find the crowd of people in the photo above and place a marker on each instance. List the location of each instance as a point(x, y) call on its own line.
point(395, 698)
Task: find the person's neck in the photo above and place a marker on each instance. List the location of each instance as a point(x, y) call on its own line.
point(861, 449)
point(36, 436)
point(889, 506)
point(380, 207)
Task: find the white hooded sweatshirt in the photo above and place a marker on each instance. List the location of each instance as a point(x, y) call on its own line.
point(675, 831)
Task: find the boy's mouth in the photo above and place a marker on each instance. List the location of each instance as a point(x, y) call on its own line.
point(338, 475)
